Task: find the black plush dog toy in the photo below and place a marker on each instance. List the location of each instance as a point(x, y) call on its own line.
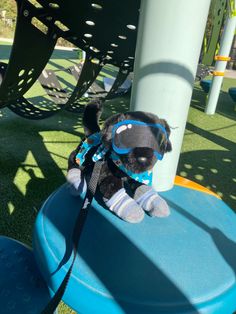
point(131, 144)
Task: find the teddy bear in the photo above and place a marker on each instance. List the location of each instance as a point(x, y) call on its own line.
point(130, 143)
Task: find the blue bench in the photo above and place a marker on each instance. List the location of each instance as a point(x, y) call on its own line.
point(22, 288)
point(185, 263)
point(206, 85)
point(232, 93)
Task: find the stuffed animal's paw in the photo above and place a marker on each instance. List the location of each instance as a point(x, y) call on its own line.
point(125, 207)
point(151, 202)
point(77, 182)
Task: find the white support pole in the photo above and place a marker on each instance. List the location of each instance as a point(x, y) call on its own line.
point(225, 47)
point(169, 41)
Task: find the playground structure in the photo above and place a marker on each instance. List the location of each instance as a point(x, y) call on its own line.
point(157, 69)
point(221, 60)
point(88, 36)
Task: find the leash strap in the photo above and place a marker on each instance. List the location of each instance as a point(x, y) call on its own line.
point(78, 228)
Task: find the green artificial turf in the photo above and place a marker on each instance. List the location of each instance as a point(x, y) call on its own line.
point(34, 153)
point(208, 154)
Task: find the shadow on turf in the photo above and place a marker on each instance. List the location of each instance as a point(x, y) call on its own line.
point(226, 107)
point(210, 168)
point(19, 138)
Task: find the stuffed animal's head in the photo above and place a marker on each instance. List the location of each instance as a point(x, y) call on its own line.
point(139, 138)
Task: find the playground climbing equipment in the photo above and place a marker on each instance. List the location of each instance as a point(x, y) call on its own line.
point(83, 24)
point(47, 21)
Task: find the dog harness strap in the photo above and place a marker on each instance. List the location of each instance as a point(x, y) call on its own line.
point(85, 146)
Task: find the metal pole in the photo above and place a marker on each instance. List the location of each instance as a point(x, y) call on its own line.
point(169, 41)
point(224, 51)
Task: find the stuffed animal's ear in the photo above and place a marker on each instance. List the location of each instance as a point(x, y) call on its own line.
point(167, 144)
point(106, 131)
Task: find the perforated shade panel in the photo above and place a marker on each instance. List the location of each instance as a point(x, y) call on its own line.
point(106, 30)
point(30, 44)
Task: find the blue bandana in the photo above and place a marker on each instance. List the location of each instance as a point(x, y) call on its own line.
point(143, 177)
point(95, 140)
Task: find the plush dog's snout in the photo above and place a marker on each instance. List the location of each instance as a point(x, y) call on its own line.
point(143, 155)
point(142, 160)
